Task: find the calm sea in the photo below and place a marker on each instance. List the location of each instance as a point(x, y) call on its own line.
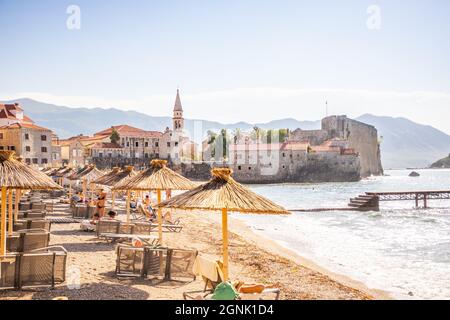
point(402, 250)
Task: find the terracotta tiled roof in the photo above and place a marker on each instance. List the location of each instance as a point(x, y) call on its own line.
point(25, 125)
point(130, 131)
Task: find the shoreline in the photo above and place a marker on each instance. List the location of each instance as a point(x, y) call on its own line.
point(272, 246)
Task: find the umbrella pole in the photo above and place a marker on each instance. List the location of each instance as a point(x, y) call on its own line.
point(159, 217)
point(225, 243)
point(3, 224)
point(18, 196)
point(128, 206)
point(10, 212)
point(113, 199)
point(84, 190)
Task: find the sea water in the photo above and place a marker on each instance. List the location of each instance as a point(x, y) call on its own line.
point(400, 249)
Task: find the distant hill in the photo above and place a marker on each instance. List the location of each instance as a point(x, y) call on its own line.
point(67, 122)
point(443, 163)
point(405, 143)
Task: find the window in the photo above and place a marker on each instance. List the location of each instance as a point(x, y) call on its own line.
point(137, 144)
point(249, 168)
point(176, 144)
point(239, 167)
point(146, 144)
point(28, 161)
point(44, 149)
point(128, 144)
point(168, 144)
point(1, 135)
point(27, 148)
point(35, 160)
point(44, 137)
point(27, 136)
point(100, 154)
point(156, 144)
point(44, 161)
point(284, 155)
point(146, 155)
point(12, 148)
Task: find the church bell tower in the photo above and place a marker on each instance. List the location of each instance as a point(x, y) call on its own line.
point(178, 121)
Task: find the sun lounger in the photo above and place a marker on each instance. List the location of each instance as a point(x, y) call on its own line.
point(107, 226)
point(43, 267)
point(118, 237)
point(157, 262)
point(32, 224)
point(28, 240)
point(212, 274)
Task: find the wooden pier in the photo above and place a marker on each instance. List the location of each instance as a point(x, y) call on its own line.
point(371, 200)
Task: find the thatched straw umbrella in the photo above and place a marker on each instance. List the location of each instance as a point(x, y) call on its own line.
point(88, 174)
point(15, 175)
point(223, 193)
point(114, 177)
point(158, 177)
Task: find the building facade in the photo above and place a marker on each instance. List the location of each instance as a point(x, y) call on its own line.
point(18, 133)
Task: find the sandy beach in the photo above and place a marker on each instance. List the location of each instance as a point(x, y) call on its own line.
point(253, 259)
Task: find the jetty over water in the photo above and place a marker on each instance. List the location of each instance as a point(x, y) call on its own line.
point(371, 200)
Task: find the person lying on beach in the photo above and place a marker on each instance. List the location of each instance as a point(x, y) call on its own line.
point(89, 225)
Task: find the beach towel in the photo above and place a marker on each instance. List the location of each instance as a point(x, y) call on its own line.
point(207, 268)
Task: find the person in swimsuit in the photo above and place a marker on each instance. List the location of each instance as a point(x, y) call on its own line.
point(101, 202)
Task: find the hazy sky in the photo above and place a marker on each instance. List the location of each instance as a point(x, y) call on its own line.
point(233, 60)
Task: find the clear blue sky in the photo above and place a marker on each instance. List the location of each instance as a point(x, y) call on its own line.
point(133, 54)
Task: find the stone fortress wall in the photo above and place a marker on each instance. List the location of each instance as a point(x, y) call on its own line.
point(359, 158)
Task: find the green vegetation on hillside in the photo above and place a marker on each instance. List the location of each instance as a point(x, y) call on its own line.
point(443, 163)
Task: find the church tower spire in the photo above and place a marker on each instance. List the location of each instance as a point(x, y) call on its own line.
point(178, 121)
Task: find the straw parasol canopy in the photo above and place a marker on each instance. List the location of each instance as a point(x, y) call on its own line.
point(115, 176)
point(74, 176)
point(158, 177)
point(223, 193)
point(15, 175)
point(63, 172)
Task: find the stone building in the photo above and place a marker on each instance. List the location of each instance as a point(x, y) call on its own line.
point(342, 150)
point(137, 146)
point(19, 133)
point(361, 137)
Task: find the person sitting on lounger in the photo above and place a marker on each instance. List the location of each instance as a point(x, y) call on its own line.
point(89, 225)
point(112, 215)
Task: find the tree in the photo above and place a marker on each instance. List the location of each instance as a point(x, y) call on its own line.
point(211, 136)
point(114, 137)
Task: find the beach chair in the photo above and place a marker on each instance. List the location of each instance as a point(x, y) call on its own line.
point(156, 262)
point(33, 239)
point(32, 224)
point(44, 267)
point(130, 261)
point(107, 226)
point(212, 275)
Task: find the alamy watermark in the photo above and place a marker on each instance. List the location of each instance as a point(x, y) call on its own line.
point(374, 18)
point(73, 21)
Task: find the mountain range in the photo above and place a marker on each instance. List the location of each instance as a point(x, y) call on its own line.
point(405, 144)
